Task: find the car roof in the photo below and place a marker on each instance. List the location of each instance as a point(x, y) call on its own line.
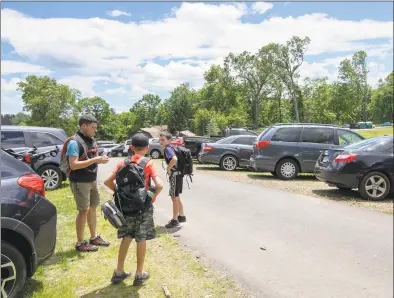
point(303, 125)
point(26, 128)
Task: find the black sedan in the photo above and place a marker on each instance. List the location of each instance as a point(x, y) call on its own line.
point(28, 224)
point(117, 151)
point(367, 165)
point(229, 153)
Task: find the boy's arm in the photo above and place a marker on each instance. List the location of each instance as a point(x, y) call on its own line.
point(159, 187)
point(110, 181)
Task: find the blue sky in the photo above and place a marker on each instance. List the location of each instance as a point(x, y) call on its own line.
point(122, 50)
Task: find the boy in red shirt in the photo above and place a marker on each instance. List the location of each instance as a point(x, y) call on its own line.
point(142, 227)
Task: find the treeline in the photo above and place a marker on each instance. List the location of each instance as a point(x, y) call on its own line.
point(248, 90)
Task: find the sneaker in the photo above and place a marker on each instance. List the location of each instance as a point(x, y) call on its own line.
point(98, 241)
point(118, 278)
point(86, 247)
point(172, 224)
point(181, 218)
point(140, 279)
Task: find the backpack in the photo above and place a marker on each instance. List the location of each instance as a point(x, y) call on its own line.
point(113, 215)
point(131, 193)
point(64, 162)
point(185, 161)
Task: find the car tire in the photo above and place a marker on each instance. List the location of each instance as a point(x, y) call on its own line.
point(375, 186)
point(52, 176)
point(13, 264)
point(229, 163)
point(155, 154)
point(287, 169)
point(274, 174)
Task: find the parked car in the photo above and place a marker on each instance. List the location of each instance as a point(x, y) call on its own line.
point(155, 149)
point(288, 149)
point(229, 153)
point(367, 166)
point(28, 224)
point(386, 124)
point(117, 151)
point(194, 144)
point(106, 148)
point(20, 138)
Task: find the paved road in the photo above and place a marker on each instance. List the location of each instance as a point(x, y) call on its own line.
point(314, 248)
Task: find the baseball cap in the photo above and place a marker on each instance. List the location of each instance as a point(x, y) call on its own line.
point(140, 140)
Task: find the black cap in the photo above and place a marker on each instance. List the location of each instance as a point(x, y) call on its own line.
point(140, 140)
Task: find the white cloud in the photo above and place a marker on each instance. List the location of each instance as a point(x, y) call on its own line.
point(262, 7)
point(11, 101)
point(188, 41)
point(12, 67)
point(117, 13)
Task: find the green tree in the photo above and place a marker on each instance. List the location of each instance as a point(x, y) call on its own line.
point(288, 60)
point(49, 103)
point(21, 119)
point(213, 128)
point(146, 110)
point(180, 108)
point(381, 104)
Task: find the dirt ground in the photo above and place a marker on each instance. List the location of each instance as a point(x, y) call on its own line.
point(305, 184)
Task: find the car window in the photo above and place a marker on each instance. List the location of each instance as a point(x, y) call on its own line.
point(128, 142)
point(42, 139)
point(347, 137)
point(318, 135)
point(12, 139)
point(226, 140)
point(287, 134)
point(370, 144)
point(244, 141)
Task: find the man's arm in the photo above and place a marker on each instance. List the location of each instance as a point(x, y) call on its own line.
point(73, 155)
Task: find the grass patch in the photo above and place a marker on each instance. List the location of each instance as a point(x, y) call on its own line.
point(376, 132)
point(71, 274)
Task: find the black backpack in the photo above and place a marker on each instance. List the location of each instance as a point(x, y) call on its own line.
point(185, 161)
point(131, 196)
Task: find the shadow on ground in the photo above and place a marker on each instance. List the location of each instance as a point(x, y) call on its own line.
point(60, 256)
point(111, 290)
point(160, 230)
point(343, 195)
point(268, 176)
point(31, 286)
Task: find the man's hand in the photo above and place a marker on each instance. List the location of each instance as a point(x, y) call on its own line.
point(101, 159)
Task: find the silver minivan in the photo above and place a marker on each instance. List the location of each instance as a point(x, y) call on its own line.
point(20, 138)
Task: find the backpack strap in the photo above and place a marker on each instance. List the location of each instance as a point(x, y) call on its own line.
point(143, 161)
point(81, 142)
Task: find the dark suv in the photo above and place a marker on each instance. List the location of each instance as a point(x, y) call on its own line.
point(28, 224)
point(20, 138)
point(288, 149)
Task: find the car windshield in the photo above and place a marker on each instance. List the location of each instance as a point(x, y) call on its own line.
point(370, 144)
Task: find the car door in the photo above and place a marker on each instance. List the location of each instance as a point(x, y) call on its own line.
point(313, 141)
point(15, 140)
point(244, 148)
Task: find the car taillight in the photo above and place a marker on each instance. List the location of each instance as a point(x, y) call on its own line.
point(346, 158)
point(33, 182)
point(27, 158)
point(262, 144)
point(207, 148)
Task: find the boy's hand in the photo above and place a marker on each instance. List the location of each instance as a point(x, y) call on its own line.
point(154, 198)
point(169, 171)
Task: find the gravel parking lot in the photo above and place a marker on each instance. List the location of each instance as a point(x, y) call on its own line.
point(305, 184)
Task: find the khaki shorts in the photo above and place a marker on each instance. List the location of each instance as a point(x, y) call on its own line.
point(86, 194)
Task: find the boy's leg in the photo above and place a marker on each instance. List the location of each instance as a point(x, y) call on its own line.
point(92, 221)
point(80, 223)
point(175, 207)
point(181, 212)
point(123, 249)
point(141, 252)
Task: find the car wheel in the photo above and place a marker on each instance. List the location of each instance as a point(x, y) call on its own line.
point(375, 186)
point(155, 154)
point(287, 169)
point(52, 176)
point(274, 174)
point(13, 271)
point(229, 163)
point(119, 154)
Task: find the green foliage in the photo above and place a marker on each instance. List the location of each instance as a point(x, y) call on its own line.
point(381, 104)
point(213, 128)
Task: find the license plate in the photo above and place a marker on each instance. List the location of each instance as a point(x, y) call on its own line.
point(325, 159)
